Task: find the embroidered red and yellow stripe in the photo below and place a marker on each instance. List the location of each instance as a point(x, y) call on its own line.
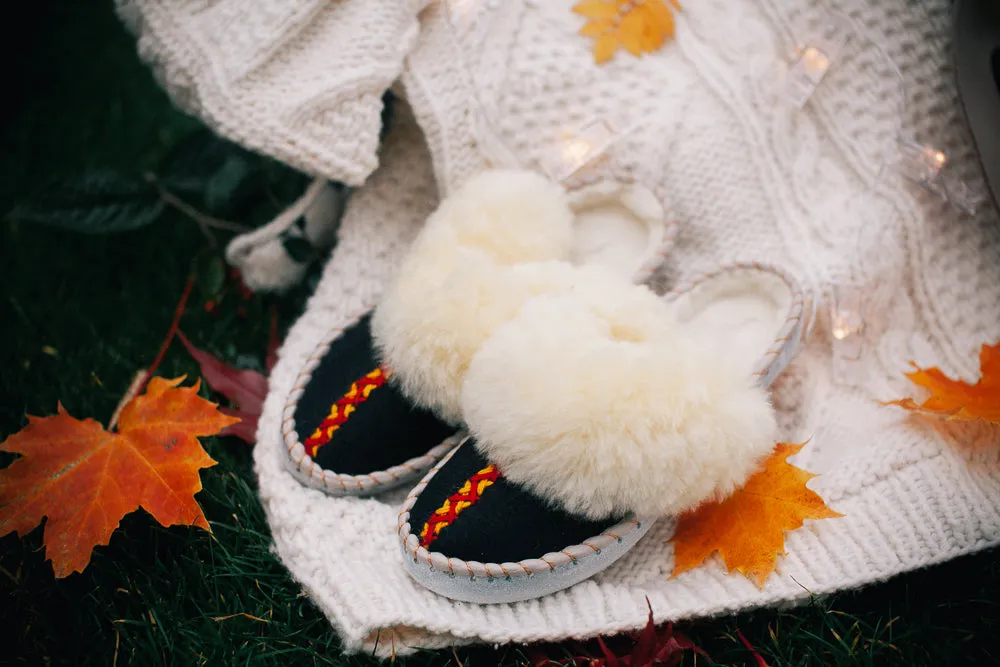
point(464, 498)
point(344, 407)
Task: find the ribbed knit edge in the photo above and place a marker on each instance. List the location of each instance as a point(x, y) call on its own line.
point(208, 97)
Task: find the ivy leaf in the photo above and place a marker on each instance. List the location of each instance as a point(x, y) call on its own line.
point(196, 159)
point(226, 186)
point(228, 180)
point(96, 202)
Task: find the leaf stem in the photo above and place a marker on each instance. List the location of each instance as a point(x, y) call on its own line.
point(133, 390)
point(171, 333)
point(205, 222)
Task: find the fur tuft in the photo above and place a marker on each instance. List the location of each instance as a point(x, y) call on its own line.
point(591, 398)
point(510, 216)
point(427, 331)
point(465, 275)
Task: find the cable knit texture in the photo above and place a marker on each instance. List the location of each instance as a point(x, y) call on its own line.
point(750, 179)
point(300, 80)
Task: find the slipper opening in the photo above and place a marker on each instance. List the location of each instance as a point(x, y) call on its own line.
point(616, 225)
point(737, 313)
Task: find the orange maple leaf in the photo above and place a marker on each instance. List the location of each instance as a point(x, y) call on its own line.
point(85, 479)
point(955, 399)
point(638, 26)
point(748, 528)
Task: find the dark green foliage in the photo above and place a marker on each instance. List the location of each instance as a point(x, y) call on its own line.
point(96, 202)
point(80, 314)
point(298, 248)
point(212, 175)
point(228, 181)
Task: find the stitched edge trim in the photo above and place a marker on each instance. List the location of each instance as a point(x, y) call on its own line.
point(305, 468)
point(523, 568)
point(792, 333)
point(612, 169)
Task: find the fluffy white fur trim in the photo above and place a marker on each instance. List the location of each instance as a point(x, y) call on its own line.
point(464, 277)
point(510, 216)
point(592, 398)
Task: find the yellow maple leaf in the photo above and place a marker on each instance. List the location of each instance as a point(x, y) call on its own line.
point(638, 26)
point(748, 528)
point(956, 399)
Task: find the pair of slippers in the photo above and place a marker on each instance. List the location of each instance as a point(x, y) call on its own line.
point(547, 404)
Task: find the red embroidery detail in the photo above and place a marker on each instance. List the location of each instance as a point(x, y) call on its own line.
point(464, 498)
point(344, 408)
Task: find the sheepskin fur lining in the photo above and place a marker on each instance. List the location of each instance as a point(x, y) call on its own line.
point(596, 399)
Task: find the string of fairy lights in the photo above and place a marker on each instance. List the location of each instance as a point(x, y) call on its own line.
point(814, 54)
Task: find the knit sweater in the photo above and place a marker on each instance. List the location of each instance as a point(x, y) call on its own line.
point(752, 178)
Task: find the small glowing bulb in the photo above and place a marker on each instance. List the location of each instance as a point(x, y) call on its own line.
point(940, 158)
point(846, 312)
point(460, 10)
point(815, 61)
point(841, 330)
point(577, 150)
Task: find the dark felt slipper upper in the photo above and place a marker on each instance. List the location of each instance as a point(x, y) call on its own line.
point(352, 420)
point(470, 512)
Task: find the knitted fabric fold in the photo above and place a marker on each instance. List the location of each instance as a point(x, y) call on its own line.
point(299, 80)
point(752, 179)
point(912, 497)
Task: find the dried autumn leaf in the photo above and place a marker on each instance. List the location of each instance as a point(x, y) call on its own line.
point(85, 479)
point(748, 528)
point(637, 27)
point(632, 31)
point(955, 399)
point(245, 389)
point(605, 47)
point(597, 9)
point(650, 646)
point(757, 657)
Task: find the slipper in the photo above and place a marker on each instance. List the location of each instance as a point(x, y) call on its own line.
point(348, 428)
point(504, 237)
point(977, 69)
point(592, 414)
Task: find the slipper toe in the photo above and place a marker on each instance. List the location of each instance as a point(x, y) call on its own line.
point(351, 431)
point(469, 533)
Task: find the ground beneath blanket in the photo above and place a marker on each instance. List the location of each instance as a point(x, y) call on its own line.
point(80, 314)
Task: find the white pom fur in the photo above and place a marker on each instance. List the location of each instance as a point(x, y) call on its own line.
point(464, 277)
point(268, 267)
point(572, 379)
point(592, 398)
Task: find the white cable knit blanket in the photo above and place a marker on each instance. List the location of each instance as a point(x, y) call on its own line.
point(751, 179)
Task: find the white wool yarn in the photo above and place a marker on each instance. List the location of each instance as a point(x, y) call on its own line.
point(262, 256)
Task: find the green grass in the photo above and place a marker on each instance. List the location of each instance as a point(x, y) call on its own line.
point(80, 314)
